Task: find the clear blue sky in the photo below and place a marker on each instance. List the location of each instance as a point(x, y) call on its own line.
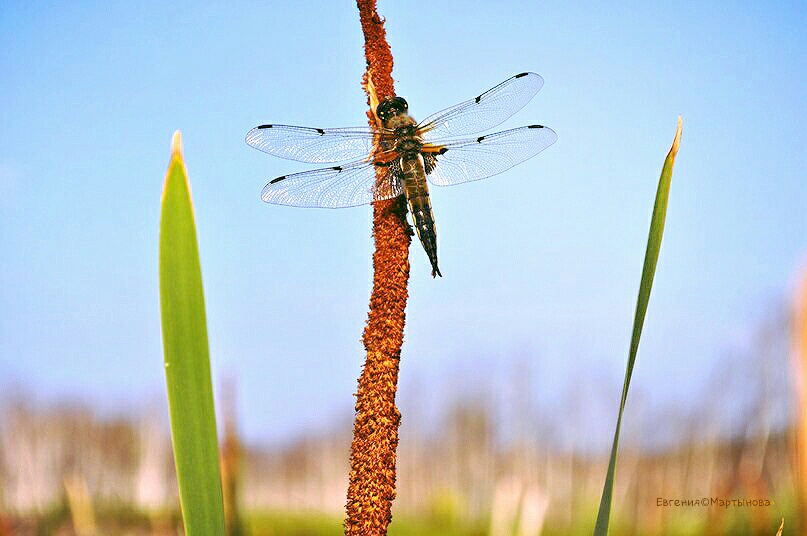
point(544, 259)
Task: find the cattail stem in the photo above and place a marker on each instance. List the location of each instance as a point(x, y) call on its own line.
point(375, 431)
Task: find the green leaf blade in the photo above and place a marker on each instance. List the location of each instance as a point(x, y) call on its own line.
point(645, 286)
point(186, 354)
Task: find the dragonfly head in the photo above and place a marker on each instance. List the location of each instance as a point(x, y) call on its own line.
point(391, 107)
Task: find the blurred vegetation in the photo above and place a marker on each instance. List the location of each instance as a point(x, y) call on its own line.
point(120, 521)
point(473, 464)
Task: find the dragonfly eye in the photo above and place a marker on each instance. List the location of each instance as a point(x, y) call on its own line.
point(391, 106)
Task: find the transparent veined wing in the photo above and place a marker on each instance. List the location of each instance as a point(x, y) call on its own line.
point(476, 158)
point(347, 185)
point(490, 109)
point(313, 145)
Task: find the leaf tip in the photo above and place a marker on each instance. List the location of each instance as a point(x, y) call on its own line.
point(176, 158)
point(176, 143)
point(677, 139)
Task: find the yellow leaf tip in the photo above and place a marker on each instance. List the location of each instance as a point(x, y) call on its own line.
point(176, 158)
point(677, 139)
point(176, 143)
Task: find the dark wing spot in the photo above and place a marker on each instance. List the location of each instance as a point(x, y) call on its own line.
point(382, 164)
point(521, 74)
point(443, 150)
point(536, 126)
point(479, 139)
point(479, 98)
point(321, 132)
point(337, 168)
point(265, 126)
point(277, 179)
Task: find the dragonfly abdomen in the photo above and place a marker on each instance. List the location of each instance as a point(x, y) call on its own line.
point(417, 195)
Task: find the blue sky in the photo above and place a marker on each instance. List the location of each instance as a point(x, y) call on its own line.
point(542, 261)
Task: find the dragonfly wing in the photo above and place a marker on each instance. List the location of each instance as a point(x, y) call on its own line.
point(476, 158)
point(490, 109)
point(349, 185)
point(313, 145)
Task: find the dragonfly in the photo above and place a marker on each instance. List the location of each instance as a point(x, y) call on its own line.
point(400, 156)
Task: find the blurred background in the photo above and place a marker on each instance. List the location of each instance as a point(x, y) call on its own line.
point(513, 362)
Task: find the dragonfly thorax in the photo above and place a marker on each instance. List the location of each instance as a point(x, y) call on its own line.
point(407, 130)
point(409, 144)
point(402, 124)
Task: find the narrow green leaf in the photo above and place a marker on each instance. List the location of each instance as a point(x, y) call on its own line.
point(187, 361)
point(648, 271)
